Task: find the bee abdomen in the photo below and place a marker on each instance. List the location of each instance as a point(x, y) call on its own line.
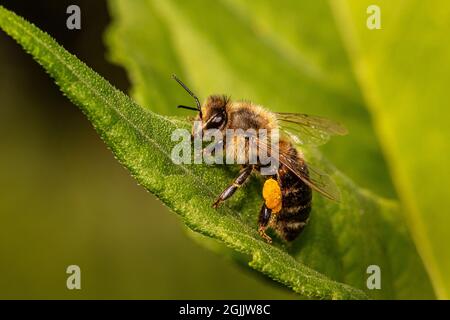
point(296, 205)
point(291, 224)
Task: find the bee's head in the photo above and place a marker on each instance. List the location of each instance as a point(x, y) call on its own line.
point(213, 113)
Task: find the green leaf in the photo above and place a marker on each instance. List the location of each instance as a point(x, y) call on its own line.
point(404, 72)
point(340, 242)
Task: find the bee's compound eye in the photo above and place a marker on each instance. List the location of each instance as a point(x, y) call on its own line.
point(216, 121)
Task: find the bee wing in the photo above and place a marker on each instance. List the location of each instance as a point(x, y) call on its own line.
point(313, 177)
point(304, 129)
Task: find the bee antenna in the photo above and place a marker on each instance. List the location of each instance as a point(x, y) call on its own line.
point(199, 108)
point(189, 108)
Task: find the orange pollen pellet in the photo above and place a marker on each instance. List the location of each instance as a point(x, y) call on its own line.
point(272, 195)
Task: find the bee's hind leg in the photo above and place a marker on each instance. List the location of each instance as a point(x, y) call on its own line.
point(264, 218)
point(244, 174)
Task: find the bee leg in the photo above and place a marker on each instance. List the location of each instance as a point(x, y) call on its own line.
point(239, 181)
point(263, 220)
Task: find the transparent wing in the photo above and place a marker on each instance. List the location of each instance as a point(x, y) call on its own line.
point(313, 177)
point(304, 129)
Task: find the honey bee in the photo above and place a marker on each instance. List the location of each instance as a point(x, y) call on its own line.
point(288, 193)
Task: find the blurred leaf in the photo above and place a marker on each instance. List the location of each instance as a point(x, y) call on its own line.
point(282, 58)
point(404, 72)
point(341, 241)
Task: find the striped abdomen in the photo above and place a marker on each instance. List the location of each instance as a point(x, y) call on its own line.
point(296, 202)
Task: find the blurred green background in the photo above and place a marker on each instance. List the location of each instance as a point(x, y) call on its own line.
point(65, 200)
